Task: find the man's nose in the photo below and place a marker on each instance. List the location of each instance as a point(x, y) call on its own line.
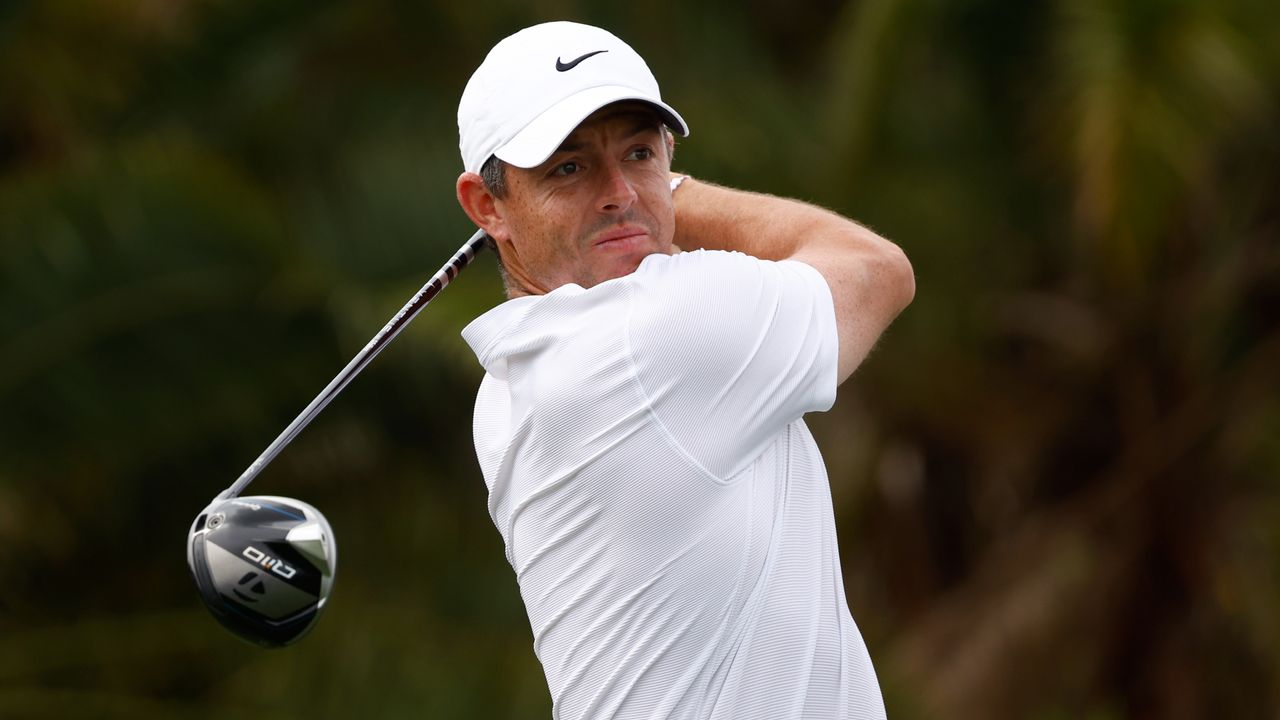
point(617, 193)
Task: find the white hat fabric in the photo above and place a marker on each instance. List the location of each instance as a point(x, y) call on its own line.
point(537, 85)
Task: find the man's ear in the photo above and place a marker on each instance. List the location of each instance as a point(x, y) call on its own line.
point(480, 205)
point(671, 146)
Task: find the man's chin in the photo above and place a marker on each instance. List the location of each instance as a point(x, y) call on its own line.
point(621, 267)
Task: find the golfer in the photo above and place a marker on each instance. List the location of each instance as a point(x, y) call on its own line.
point(665, 509)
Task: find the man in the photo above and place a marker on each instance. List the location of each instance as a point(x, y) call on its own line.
point(639, 427)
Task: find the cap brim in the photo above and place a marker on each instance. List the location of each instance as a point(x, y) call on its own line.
point(539, 139)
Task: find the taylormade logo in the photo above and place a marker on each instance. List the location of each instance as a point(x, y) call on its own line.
point(275, 565)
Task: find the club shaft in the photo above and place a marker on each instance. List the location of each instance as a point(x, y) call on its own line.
point(384, 337)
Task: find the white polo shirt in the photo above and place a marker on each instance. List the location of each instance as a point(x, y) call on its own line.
point(664, 507)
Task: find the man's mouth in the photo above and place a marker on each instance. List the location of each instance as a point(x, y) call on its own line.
point(620, 237)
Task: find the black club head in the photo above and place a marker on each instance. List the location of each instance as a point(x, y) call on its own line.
point(264, 566)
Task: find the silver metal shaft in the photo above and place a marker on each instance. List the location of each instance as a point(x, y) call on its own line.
point(384, 337)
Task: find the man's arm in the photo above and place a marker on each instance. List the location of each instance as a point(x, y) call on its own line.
point(870, 278)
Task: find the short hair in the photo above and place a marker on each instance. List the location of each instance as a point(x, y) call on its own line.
point(494, 174)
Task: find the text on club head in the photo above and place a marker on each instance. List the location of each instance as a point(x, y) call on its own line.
point(275, 565)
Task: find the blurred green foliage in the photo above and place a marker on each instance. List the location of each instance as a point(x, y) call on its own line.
point(1056, 480)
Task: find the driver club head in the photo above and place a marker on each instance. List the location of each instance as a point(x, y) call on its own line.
point(264, 566)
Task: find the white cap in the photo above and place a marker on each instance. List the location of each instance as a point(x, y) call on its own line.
point(537, 85)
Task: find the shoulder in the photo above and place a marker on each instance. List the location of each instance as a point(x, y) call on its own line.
point(727, 341)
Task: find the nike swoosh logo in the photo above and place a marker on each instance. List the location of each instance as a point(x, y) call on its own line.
point(563, 66)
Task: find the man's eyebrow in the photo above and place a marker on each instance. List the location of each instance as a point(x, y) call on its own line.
point(644, 122)
point(568, 146)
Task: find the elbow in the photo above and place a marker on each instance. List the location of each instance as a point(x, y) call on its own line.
point(888, 268)
point(897, 279)
point(905, 277)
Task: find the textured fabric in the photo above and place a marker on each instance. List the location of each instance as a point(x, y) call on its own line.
point(664, 507)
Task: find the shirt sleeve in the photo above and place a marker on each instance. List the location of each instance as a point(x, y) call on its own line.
point(729, 349)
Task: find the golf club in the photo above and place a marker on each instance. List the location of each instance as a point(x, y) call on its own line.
point(264, 564)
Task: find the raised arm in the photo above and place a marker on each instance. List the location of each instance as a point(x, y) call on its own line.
point(870, 278)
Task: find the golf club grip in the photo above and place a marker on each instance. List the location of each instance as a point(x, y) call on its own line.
point(388, 333)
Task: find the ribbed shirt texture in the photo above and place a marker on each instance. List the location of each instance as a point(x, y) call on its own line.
point(663, 505)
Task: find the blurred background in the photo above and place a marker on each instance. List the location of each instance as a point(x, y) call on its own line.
point(1057, 480)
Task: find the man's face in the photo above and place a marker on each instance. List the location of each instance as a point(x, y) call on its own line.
point(595, 208)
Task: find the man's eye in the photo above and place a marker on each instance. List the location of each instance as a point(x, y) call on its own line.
point(568, 168)
point(643, 153)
